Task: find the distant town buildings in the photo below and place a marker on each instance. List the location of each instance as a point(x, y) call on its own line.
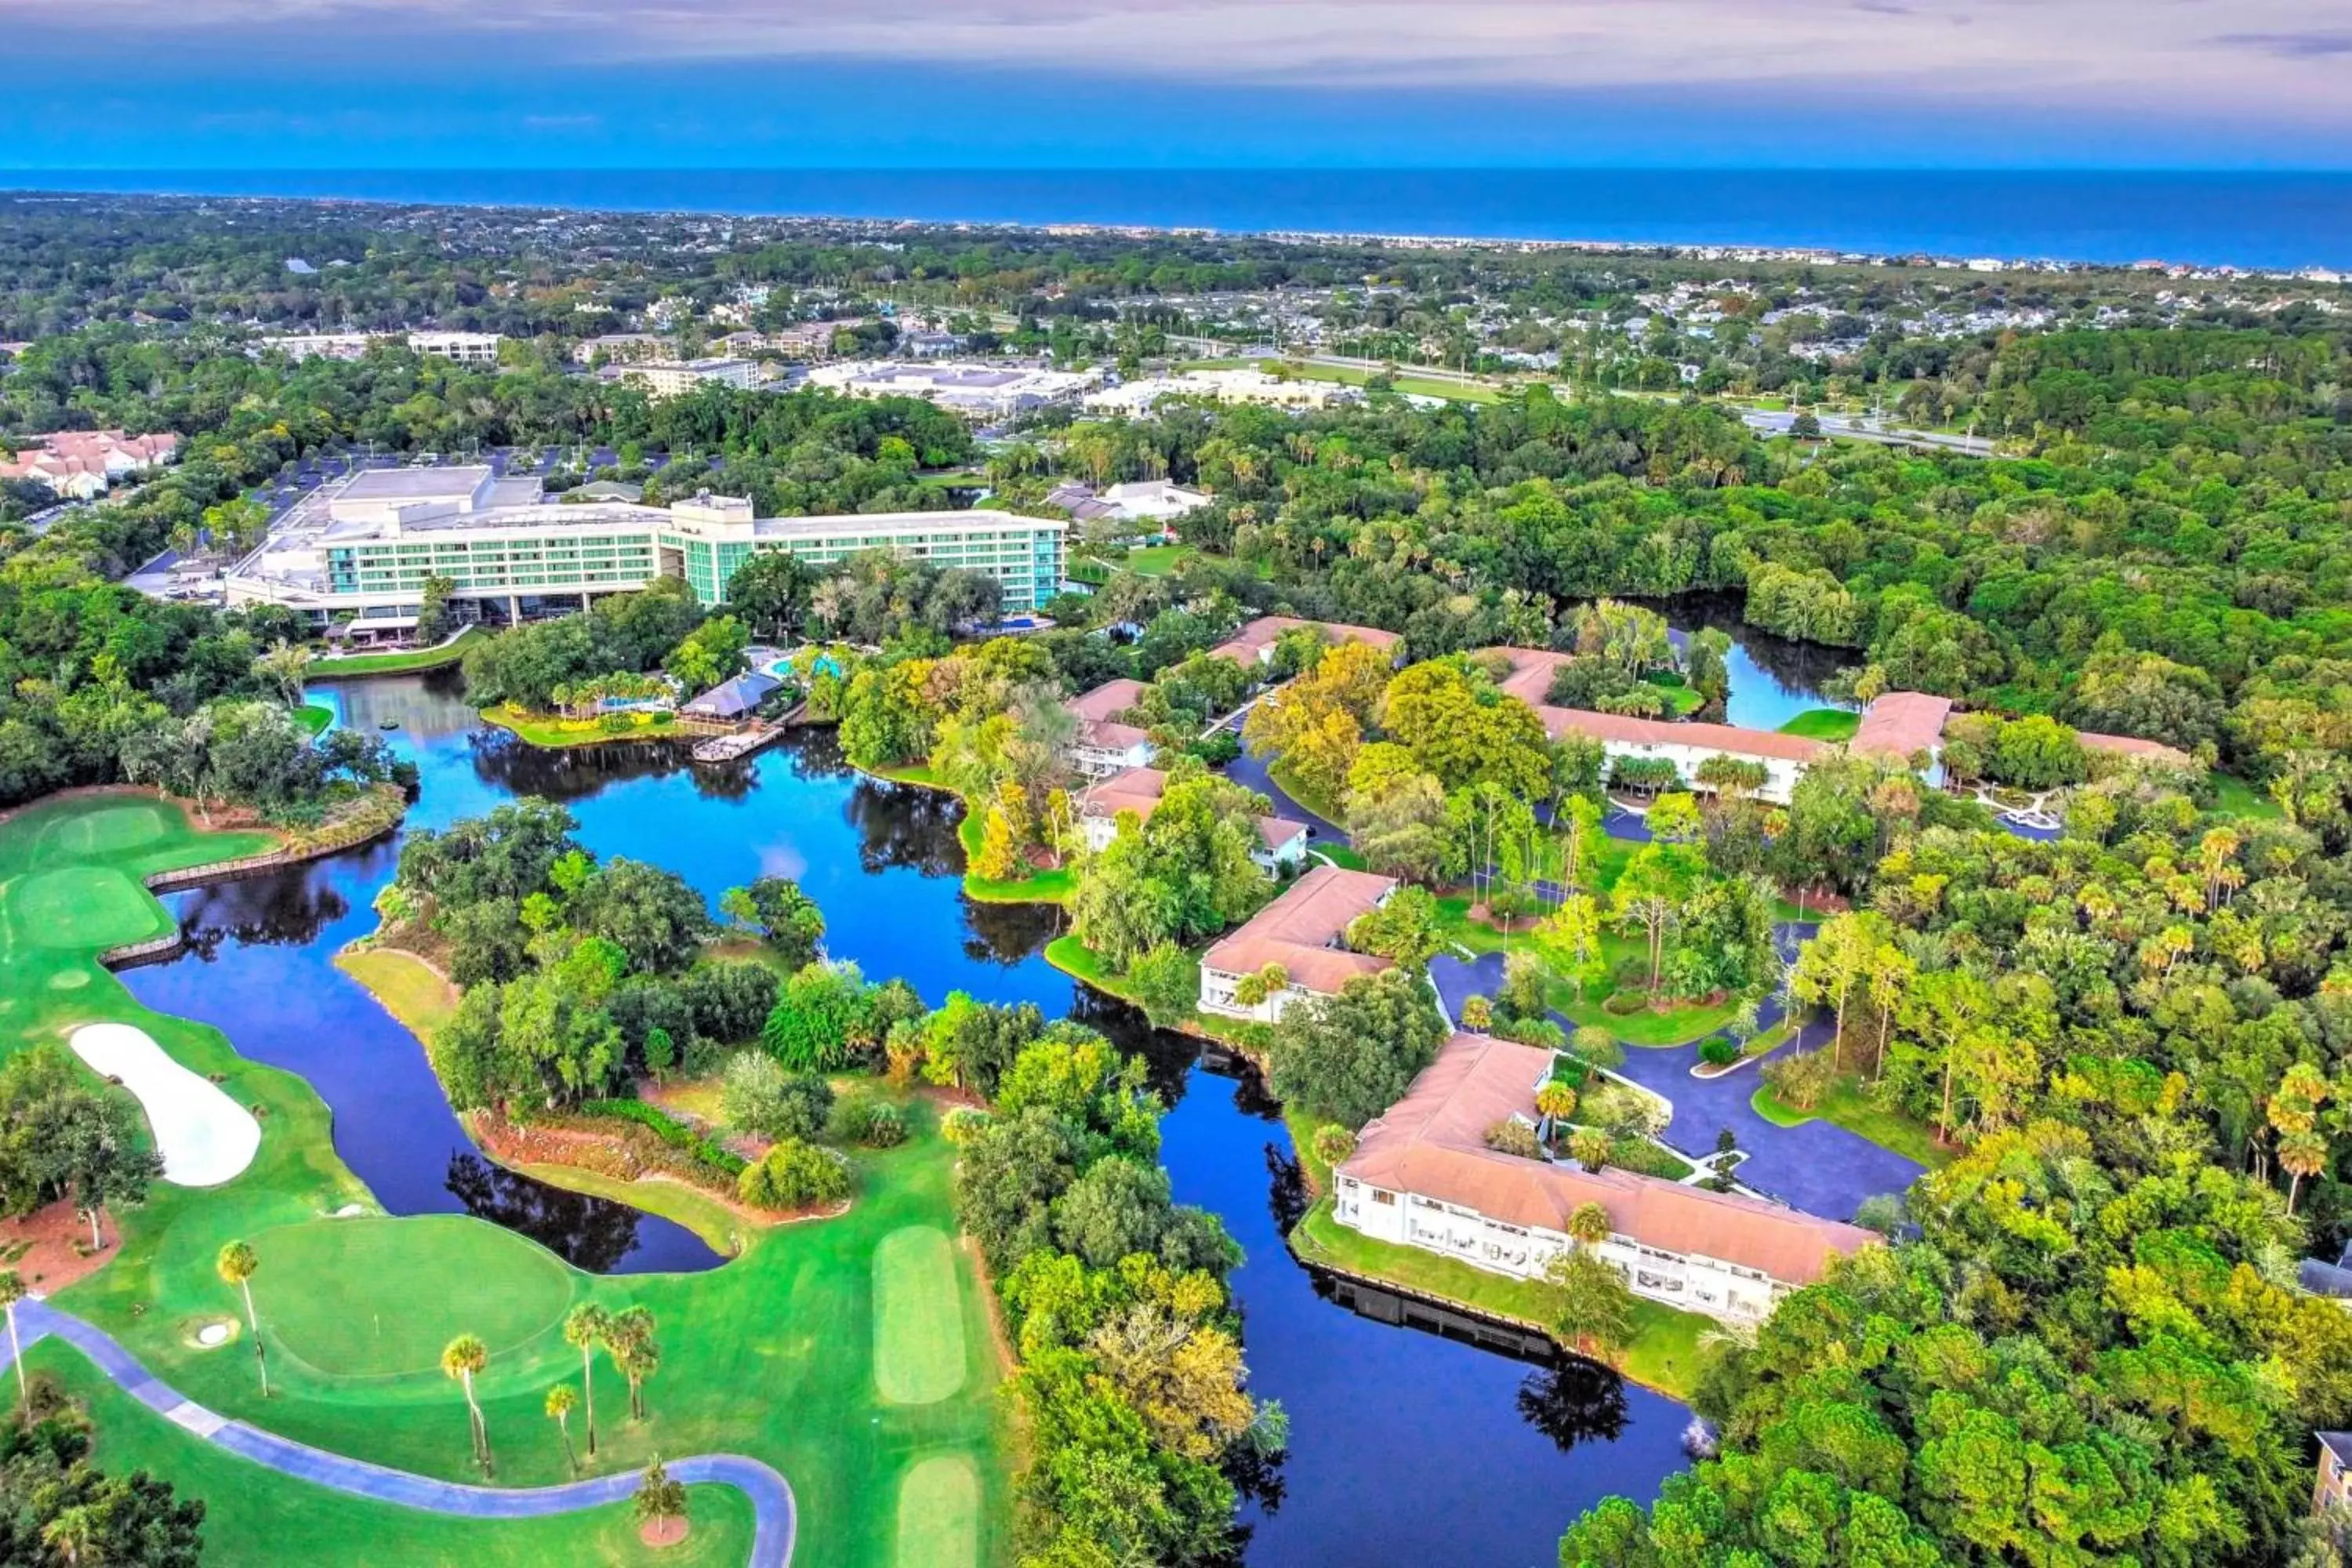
point(79, 464)
point(663, 378)
point(480, 349)
point(462, 348)
point(511, 553)
point(979, 392)
point(1241, 385)
point(1422, 1175)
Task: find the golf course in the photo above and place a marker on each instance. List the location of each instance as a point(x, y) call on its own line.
point(854, 1355)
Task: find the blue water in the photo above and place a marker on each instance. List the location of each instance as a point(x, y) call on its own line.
point(2247, 220)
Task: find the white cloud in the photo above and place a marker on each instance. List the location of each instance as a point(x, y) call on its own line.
point(2279, 59)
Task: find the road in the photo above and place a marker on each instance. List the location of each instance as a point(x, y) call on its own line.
point(771, 1495)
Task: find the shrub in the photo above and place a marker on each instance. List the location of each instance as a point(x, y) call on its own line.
point(1598, 1046)
point(1881, 1212)
point(1477, 1015)
point(669, 1129)
point(795, 1176)
point(863, 1119)
point(1541, 1032)
point(962, 1124)
point(1718, 1050)
point(1333, 1143)
point(1801, 1079)
point(1621, 1003)
point(758, 1096)
point(1513, 1136)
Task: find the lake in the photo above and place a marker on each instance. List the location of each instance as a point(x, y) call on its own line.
point(1408, 1445)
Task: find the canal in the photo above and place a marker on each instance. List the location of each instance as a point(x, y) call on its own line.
point(1409, 1444)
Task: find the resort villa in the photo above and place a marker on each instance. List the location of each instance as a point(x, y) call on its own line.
point(510, 553)
point(1300, 933)
point(1253, 645)
point(1282, 843)
point(1906, 726)
point(77, 464)
point(1422, 1175)
point(1103, 744)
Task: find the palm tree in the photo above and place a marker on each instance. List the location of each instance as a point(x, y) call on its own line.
point(465, 1356)
point(559, 1401)
point(238, 1265)
point(658, 1498)
point(12, 1291)
point(285, 665)
point(73, 1533)
point(584, 1330)
point(1556, 1101)
point(629, 1338)
point(1589, 1224)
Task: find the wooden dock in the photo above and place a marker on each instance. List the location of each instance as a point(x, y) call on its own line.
point(737, 744)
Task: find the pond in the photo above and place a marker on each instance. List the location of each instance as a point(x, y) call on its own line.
point(1410, 1444)
point(1773, 679)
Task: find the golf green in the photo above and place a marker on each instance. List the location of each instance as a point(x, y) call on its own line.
point(85, 907)
point(330, 1309)
point(939, 1514)
point(108, 830)
point(918, 1317)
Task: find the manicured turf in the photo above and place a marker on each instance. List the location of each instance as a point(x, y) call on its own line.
point(93, 907)
point(322, 1291)
point(1843, 1105)
point(768, 1355)
point(918, 1331)
point(939, 1514)
point(556, 733)
point(399, 663)
point(1051, 887)
point(406, 986)
point(314, 718)
point(1664, 1354)
point(254, 1515)
point(1823, 724)
point(1668, 1026)
point(2233, 796)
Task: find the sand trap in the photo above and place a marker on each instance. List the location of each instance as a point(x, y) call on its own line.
point(204, 1137)
point(213, 1335)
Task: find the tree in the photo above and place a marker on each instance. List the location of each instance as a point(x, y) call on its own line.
point(286, 666)
point(658, 1499)
point(463, 1358)
point(1591, 1304)
point(559, 1401)
point(1649, 896)
point(787, 919)
point(12, 1291)
point(1589, 1224)
point(771, 592)
point(1346, 1058)
point(237, 1265)
point(1403, 930)
point(1591, 1148)
point(1167, 984)
point(629, 1341)
point(758, 1096)
point(585, 1330)
point(1556, 1101)
point(101, 1159)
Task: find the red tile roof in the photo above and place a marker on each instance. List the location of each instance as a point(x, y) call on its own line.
point(1138, 790)
point(1529, 680)
point(1094, 710)
point(1898, 723)
point(1432, 1143)
point(1247, 644)
point(1298, 930)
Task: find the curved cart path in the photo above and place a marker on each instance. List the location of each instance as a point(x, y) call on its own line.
point(772, 1496)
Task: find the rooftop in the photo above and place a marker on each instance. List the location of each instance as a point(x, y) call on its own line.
point(1301, 930)
point(419, 484)
point(1899, 723)
point(1138, 790)
point(1433, 1142)
point(1246, 644)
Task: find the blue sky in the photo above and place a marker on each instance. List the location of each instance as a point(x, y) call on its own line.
point(1177, 83)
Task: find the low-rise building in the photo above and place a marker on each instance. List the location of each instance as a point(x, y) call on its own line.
point(1253, 645)
point(478, 349)
point(1152, 501)
point(1282, 841)
point(1301, 933)
point(1422, 1176)
point(1104, 743)
point(663, 378)
point(79, 464)
point(510, 553)
point(1241, 385)
point(2334, 1489)
point(978, 391)
point(623, 347)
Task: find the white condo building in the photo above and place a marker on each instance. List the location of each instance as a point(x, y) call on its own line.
point(1302, 934)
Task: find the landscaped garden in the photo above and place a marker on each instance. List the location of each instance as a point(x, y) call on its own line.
point(776, 1354)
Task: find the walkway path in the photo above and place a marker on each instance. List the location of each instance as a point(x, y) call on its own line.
point(1817, 1166)
point(772, 1496)
point(1250, 772)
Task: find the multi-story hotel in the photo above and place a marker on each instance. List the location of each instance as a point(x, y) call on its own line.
point(515, 553)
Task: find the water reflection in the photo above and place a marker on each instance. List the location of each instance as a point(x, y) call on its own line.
point(595, 1234)
point(1578, 1401)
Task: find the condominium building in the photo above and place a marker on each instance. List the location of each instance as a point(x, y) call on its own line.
point(1282, 840)
point(1303, 934)
point(975, 390)
point(478, 349)
point(81, 464)
point(1422, 1175)
point(675, 377)
point(514, 554)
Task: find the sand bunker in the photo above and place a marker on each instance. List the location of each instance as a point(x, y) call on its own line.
point(204, 1137)
point(213, 1335)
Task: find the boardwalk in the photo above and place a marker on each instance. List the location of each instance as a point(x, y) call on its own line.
point(772, 1496)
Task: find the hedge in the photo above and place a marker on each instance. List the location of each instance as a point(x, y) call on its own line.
point(670, 1130)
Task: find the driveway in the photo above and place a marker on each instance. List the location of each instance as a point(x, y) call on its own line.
point(1249, 770)
point(771, 1498)
point(1819, 1167)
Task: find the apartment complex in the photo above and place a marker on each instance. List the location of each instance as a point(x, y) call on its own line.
point(664, 378)
point(1422, 1175)
point(1282, 840)
point(978, 391)
point(1303, 933)
point(79, 464)
point(1240, 384)
point(508, 549)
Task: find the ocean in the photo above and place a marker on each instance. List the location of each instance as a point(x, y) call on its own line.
point(2273, 220)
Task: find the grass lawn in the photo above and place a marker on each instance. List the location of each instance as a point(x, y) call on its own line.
point(1344, 856)
point(405, 983)
point(1843, 1105)
point(314, 718)
point(1833, 724)
point(253, 1515)
point(1151, 560)
point(1287, 781)
point(1043, 888)
point(771, 1354)
point(938, 1505)
point(918, 1332)
point(1668, 1026)
point(1664, 1354)
point(550, 730)
point(2233, 796)
point(399, 663)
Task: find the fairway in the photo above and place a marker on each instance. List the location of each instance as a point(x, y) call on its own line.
point(939, 1513)
point(918, 1317)
point(371, 1297)
point(87, 906)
